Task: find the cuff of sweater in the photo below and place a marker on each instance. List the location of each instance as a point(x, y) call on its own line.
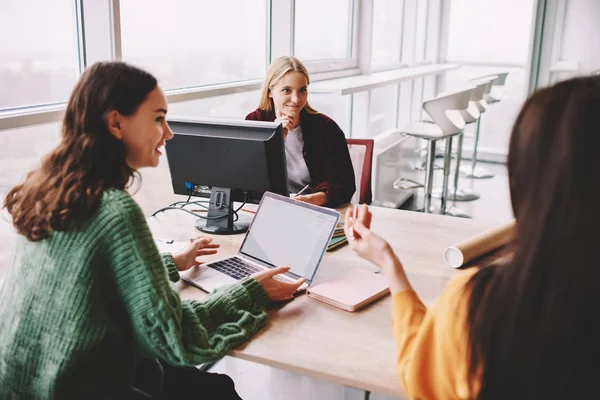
point(171, 267)
point(258, 295)
point(247, 294)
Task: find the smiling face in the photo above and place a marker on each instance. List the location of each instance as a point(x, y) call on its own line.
point(289, 94)
point(144, 132)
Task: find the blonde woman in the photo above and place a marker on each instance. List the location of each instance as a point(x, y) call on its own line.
point(315, 147)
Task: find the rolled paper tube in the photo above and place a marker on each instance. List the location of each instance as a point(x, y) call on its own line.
point(469, 249)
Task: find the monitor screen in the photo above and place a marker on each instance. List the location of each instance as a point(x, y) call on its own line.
point(286, 232)
point(226, 161)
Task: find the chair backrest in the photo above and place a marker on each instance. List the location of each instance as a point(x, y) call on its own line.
point(444, 109)
point(476, 103)
point(499, 80)
point(361, 154)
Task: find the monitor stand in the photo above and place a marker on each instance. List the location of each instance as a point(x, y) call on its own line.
point(220, 215)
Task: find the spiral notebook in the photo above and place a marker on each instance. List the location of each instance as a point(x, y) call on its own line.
point(352, 291)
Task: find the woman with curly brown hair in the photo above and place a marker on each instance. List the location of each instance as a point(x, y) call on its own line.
point(86, 310)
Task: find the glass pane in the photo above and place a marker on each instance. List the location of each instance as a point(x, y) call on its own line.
point(196, 42)
point(21, 150)
point(433, 30)
point(382, 107)
point(404, 104)
point(335, 107)
point(39, 58)
point(323, 29)
point(387, 31)
point(409, 31)
point(421, 31)
point(417, 99)
point(235, 106)
point(504, 27)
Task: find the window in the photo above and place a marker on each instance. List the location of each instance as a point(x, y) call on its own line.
point(39, 57)
point(196, 42)
point(323, 29)
point(387, 32)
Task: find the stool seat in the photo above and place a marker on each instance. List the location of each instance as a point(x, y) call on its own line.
point(425, 130)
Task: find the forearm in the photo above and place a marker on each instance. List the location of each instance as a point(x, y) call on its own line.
point(394, 272)
point(318, 199)
point(191, 332)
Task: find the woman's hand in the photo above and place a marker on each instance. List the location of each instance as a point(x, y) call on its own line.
point(374, 248)
point(199, 246)
point(362, 240)
point(288, 122)
point(277, 289)
point(318, 199)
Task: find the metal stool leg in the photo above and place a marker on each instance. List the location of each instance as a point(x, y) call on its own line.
point(447, 161)
point(457, 194)
point(473, 171)
point(429, 175)
point(444, 210)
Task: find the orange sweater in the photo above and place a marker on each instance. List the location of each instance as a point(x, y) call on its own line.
point(432, 352)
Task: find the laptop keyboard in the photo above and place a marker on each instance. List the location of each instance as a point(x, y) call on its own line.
point(234, 267)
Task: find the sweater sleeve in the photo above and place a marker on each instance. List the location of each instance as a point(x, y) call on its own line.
point(171, 267)
point(431, 355)
point(179, 332)
point(337, 181)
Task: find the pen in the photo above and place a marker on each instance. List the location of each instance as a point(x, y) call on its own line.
point(302, 190)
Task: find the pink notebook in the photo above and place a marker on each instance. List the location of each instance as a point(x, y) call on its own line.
point(352, 291)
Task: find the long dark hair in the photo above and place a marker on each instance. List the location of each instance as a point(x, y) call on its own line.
point(69, 183)
point(533, 322)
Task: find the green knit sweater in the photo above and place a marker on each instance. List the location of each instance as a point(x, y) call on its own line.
point(78, 308)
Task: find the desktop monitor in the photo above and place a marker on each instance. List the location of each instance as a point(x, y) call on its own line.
point(226, 161)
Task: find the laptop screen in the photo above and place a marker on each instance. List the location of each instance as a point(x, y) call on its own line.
point(285, 232)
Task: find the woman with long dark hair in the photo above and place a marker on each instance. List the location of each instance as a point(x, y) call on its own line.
point(86, 310)
point(524, 328)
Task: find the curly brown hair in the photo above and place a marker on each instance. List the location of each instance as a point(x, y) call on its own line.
point(68, 185)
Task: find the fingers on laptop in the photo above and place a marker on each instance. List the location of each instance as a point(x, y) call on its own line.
point(204, 242)
point(277, 289)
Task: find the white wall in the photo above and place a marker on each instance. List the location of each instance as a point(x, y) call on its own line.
point(581, 33)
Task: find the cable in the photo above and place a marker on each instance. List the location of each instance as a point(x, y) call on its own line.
point(187, 211)
point(185, 203)
point(202, 203)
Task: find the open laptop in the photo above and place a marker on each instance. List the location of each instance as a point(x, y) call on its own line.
point(284, 232)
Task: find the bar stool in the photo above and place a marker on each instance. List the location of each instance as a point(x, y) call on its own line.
point(444, 111)
point(490, 97)
point(471, 115)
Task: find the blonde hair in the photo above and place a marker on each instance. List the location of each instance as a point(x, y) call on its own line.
point(278, 68)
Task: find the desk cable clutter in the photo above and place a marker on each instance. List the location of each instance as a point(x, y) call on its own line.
point(476, 246)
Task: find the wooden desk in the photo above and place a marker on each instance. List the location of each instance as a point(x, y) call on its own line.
point(311, 338)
